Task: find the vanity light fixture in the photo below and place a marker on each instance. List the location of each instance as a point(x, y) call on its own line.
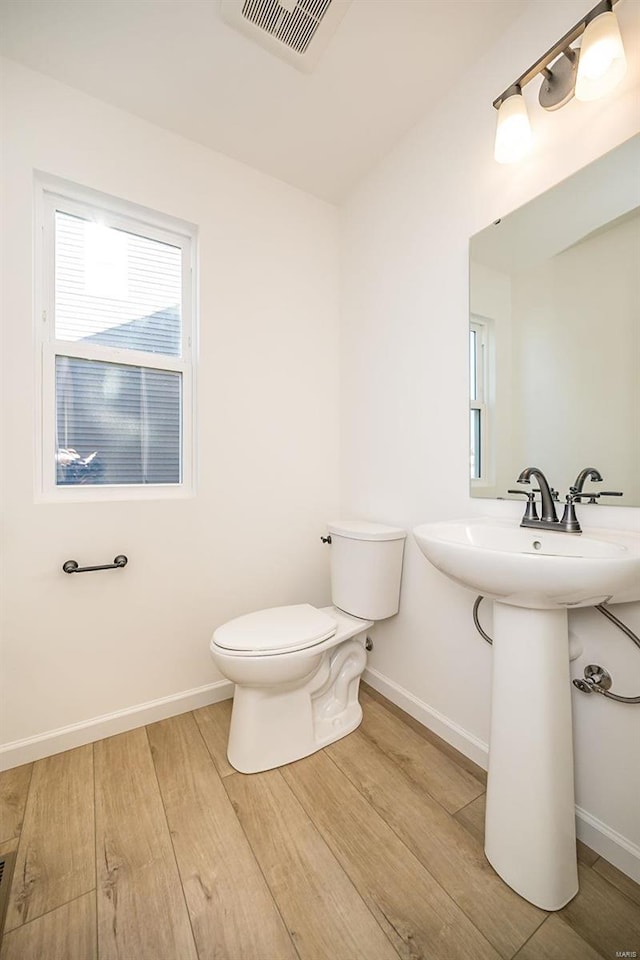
point(588, 72)
point(602, 63)
point(513, 134)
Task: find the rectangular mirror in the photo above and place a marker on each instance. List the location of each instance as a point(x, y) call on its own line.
point(555, 335)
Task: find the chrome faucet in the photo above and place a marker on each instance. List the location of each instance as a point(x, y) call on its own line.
point(575, 492)
point(569, 521)
point(549, 517)
point(589, 473)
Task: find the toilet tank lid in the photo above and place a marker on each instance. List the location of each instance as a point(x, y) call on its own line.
point(364, 530)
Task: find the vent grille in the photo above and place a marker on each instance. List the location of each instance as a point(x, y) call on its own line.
point(7, 863)
point(294, 25)
point(296, 31)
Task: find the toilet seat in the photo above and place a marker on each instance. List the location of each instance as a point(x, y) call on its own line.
point(276, 630)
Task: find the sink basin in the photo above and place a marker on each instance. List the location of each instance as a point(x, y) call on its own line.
point(533, 577)
point(538, 569)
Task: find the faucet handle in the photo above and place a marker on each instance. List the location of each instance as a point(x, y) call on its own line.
point(530, 512)
point(570, 522)
point(591, 496)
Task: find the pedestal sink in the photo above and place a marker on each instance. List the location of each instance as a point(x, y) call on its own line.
point(534, 577)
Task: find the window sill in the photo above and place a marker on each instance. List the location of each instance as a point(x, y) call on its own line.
point(106, 493)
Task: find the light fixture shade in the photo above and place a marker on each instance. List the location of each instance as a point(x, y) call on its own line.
point(513, 133)
point(602, 63)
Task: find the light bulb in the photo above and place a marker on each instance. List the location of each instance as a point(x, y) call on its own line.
point(513, 133)
point(602, 63)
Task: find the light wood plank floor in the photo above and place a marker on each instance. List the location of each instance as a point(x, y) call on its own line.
point(149, 846)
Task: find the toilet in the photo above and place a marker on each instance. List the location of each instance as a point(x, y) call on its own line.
point(297, 668)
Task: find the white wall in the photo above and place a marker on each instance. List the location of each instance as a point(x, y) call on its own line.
point(78, 647)
point(405, 424)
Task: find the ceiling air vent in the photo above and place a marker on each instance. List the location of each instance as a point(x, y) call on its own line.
point(295, 30)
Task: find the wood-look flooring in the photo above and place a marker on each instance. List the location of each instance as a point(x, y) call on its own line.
point(149, 846)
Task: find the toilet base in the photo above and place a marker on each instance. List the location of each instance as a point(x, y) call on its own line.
point(273, 726)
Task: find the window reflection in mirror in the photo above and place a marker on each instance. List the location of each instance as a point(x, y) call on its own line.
point(479, 382)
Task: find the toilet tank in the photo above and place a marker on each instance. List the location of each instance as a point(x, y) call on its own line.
point(366, 567)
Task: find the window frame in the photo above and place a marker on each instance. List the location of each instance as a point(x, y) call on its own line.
point(52, 194)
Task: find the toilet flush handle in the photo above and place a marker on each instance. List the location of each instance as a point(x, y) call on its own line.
point(326, 539)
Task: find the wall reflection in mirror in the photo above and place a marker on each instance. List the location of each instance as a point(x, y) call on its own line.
point(555, 335)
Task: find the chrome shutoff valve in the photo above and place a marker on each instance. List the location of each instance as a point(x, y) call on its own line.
point(596, 679)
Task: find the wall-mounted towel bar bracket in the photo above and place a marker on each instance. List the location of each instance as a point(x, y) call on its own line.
point(71, 566)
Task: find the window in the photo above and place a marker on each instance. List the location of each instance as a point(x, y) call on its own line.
point(478, 395)
point(115, 345)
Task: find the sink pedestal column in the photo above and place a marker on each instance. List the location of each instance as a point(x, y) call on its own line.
point(530, 835)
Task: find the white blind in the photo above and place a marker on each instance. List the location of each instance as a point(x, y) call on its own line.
point(115, 289)
point(116, 424)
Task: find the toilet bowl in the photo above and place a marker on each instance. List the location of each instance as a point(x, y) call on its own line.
point(297, 668)
point(289, 704)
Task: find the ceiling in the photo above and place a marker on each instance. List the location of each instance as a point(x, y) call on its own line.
point(177, 64)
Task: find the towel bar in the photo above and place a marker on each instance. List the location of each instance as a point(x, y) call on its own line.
point(71, 566)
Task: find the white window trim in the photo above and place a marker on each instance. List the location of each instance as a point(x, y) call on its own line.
point(53, 193)
point(484, 374)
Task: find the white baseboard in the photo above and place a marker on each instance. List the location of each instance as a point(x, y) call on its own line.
point(477, 750)
point(608, 843)
point(97, 728)
point(603, 840)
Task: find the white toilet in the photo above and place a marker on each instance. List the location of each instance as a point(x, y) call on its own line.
point(297, 669)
